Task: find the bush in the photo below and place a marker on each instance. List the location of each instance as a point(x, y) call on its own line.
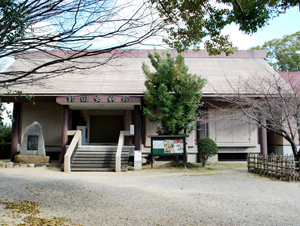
point(206, 148)
point(5, 142)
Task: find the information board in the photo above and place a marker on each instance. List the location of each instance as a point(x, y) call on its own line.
point(168, 147)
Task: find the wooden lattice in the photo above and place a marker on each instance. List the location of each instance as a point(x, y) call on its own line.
point(274, 166)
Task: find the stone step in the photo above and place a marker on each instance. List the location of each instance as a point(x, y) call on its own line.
point(94, 154)
point(104, 148)
point(88, 155)
point(96, 147)
point(99, 153)
point(99, 158)
point(98, 169)
point(96, 165)
point(97, 161)
point(98, 150)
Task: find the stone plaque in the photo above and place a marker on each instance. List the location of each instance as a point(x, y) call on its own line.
point(33, 140)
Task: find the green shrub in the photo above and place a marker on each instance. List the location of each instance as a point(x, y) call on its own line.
point(5, 142)
point(206, 148)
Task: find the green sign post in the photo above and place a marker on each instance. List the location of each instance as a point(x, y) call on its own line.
point(170, 145)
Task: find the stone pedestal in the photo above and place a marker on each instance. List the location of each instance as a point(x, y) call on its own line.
point(137, 160)
point(31, 159)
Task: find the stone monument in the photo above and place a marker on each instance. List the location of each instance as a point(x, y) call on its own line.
point(33, 141)
point(32, 150)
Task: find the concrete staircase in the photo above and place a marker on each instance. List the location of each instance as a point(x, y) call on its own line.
point(98, 158)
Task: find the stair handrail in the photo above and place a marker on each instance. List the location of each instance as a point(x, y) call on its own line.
point(75, 141)
point(119, 149)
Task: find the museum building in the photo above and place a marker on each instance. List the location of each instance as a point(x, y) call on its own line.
point(102, 101)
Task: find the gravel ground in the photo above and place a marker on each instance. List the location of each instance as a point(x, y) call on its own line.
point(153, 197)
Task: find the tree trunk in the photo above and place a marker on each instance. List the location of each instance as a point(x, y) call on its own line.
point(297, 157)
point(293, 144)
point(203, 162)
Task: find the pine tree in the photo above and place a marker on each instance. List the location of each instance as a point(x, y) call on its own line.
point(172, 95)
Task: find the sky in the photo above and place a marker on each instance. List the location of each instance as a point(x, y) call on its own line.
point(285, 24)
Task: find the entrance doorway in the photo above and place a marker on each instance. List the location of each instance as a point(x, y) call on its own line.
point(105, 128)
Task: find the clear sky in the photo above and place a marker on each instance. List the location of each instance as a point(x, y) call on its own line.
point(285, 24)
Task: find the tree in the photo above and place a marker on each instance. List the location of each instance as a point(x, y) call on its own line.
point(172, 95)
point(67, 34)
point(283, 53)
point(5, 141)
point(206, 149)
point(191, 22)
point(269, 102)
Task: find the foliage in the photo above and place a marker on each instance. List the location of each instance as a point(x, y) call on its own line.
point(37, 221)
point(24, 206)
point(206, 148)
point(191, 22)
point(172, 95)
point(30, 208)
point(5, 141)
point(12, 22)
point(283, 53)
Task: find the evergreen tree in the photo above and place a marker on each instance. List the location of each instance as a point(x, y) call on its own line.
point(172, 95)
point(283, 53)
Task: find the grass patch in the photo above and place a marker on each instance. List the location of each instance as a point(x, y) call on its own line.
point(209, 166)
point(197, 175)
point(189, 165)
point(198, 166)
point(228, 165)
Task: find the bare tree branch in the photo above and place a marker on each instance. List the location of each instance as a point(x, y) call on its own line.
point(268, 97)
point(65, 31)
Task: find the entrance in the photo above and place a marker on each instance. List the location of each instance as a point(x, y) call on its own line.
point(105, 128)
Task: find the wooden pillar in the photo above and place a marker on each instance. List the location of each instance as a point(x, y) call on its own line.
point(200, 132)
point(65, 127)
point(15, 131)
point(137, 127)
point(263, 141)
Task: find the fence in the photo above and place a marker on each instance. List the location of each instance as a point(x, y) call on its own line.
point(274, 166)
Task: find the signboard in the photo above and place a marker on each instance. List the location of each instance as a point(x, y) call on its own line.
point(32, 142)
point(98, 98)
point(168, 147)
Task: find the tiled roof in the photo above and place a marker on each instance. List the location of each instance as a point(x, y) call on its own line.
point(124, 74)
point(293, 78)
point(254, 54)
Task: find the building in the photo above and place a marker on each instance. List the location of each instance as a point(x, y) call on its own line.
point(105, 100)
